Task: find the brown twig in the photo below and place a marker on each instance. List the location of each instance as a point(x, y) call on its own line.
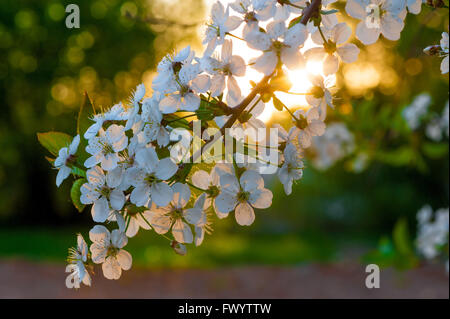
point(308, 13)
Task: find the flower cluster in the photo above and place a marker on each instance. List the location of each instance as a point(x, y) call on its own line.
point(134, 161)
point(432, 236)
point(437, 126)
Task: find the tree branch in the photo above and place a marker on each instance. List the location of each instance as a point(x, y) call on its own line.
point(309, 11)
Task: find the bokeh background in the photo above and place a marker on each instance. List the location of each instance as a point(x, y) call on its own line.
point(356, 211)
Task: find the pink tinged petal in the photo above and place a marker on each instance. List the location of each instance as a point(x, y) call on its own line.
point(315, 54)
point(258, 41)
point(317, 128)
point(296, 35)
point(391, 27)
point(244, 214)
point(251, 180)
point(229, 182)
point(181, 195)
point(114, 177)
point(147, 158)
point(74, 145)
point(96, 177)
point(63, 173)
point(161, 194)
point(356, 8)
point(165, 169)
point(201, 83)
point(118, 238)
point(140, 195)
point(341, 33)
point(88, 194)
point(193, 215)
point(266, 63)
point(330, 64)
point(227, 51)
point(100, 210)
point(201, 179)
point(233, 88)
point(225, 203)
point(312, 114)
point(98, 252)
point(92, 161)
point(124, 259)
point(445, 65)
point(109, 161)
point(121, 144)
point(93, 130)
point(169, 104)
point(100, 234)
point(237, 66)
point(292, 58)
point(182, 232)
point(218, 213)
point(133, 227)
point(283, 175)
point(117, 199)
point(111, 268)
point(348, 52)
point(191, 102)
point(161, 223)
point(217, 85)
point(367, 35)
point(261, 198)
point(276, 29)
point(304, 139)
point(199, 235)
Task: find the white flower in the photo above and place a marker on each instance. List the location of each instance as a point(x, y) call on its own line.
point(282, 9)
point(210, 183)
point(292, 168)
point(77, 259)
point(320, 95)
point(336, 143)
point(104, 148)
point(65, 159)
point(132, 113)
point(248, 124)
point(378, 17)
point(176, 217)
point(333, 49)
point(433, 130)
point(100, 190)
point(107, 250)
point(224, 70)
point(278, 43)
point(242, 196)
point(445, 53)
point(116, 113)
point(152, 117)
point(432, 234)
point(168, 68)
point(189, 83)
point(252, 12)
point(308, 125)
point(148, 177)
point(414, 6)
point(414, 112)
point(136, 218)
point(220, 25)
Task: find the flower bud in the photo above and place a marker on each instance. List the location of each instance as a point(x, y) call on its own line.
point(432, 50)
point(436, 3)
point(180, 249)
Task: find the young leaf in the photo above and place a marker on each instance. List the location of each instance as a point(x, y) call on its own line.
point(277, 103)
point(75, 194)
point(86, 112)
point(54, 141)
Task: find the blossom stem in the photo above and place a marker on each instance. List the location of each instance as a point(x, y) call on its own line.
point(309, 11)
point(325, 41)
point(234, 36)
point(193, 186)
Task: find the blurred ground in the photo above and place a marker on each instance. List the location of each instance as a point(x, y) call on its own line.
point(24, 279)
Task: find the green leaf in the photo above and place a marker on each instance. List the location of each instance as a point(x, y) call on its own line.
point(401, 238)
point(75, 194)
point(278, 104)
point(54, 141)
point(435, 150)
point(294, 22)
point(326, 12)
